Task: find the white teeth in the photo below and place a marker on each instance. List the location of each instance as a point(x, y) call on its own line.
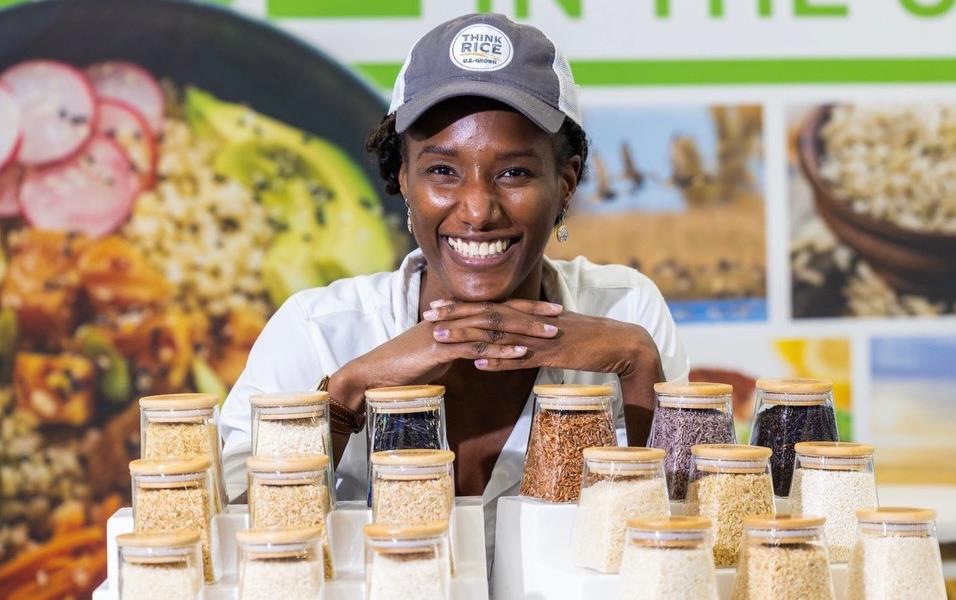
point(476, 249)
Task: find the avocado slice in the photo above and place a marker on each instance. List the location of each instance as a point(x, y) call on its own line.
point(113, 378)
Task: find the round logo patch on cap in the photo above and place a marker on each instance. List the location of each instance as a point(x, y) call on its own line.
point(481, 47)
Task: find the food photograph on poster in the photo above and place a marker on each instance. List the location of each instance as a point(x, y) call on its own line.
point(677, 193)
point(873, 209)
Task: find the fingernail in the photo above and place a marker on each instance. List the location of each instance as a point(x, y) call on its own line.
point(437, 303)
point(441, 333)
point(430, 314)
point(556, 306)
point(481, 363)
point(521, 349)
point(549, 328)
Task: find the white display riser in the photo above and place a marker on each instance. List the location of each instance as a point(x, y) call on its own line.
point(345, 528)
point(532, 559)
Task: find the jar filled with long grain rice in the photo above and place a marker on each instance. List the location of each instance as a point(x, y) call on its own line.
point(834, 480)
point(291, 491)
point(688, 414)
point(160, 566)
point(783, 558)
point(290, 423)
point(668, 559)
point(727, 483)
point(175, 495)
point(567, 419)
point(618, 484)
point(896, 555)
point(790, 411)
point(175, 426)
point(407, 563)
point(281, 564)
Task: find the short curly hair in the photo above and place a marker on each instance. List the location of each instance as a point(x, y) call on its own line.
point(388, 147)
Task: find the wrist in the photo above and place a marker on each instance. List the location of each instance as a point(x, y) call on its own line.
point(347, 399)
point(636, 353)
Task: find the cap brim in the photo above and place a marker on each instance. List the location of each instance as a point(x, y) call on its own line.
point(541, 113)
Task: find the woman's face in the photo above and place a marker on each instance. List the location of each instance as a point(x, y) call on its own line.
point(485, 191)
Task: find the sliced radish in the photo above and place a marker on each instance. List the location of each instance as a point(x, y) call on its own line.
point(121, 123)
point(91, 193)
point(132, 84)
point(10, 128)
point(9, 187)
point(57, 109)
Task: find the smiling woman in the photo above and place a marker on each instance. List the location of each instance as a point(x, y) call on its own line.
point(487, 155)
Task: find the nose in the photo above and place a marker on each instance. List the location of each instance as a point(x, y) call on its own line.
point(478, 205)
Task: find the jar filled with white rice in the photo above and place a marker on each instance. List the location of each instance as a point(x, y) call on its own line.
point(283, 564)
point(159, 566)
point(668, 559)
point(896, 555)
point(618, 484)
point(407, 563)
point(834, 480)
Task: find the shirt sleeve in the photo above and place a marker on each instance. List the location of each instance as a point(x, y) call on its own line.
point(283, 358)
point(652, 313)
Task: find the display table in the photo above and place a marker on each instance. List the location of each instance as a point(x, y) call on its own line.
point(345, 528)
point(532, 558)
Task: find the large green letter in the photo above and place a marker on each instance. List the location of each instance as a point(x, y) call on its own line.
point(764, 8)
point(343, 8)
point(921, 10)
point(804, 8)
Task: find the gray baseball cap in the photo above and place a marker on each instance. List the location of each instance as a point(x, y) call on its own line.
point(491, 56)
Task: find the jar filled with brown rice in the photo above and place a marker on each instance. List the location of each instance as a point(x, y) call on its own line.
point(896, 555)
point(785, 558)
point(407, 563)
point(175, 495)
point(727, 483)
point(291, 491)
point(177, 426)
point(567, 419)
point(281, 564)
point(618, 484)
point(668, 558)
point(834, 480)
point(160, 566)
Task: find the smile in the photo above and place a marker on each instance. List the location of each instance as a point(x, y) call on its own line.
point(473, 249)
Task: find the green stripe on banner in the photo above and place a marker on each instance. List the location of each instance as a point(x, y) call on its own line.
point(737, 72)
point(279, 9)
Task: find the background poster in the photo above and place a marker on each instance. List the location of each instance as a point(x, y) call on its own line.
point(695, 111)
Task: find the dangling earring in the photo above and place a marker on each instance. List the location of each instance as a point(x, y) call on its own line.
point(562, 233)
point(408, 219)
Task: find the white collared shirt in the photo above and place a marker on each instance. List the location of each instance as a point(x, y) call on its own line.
point(317, 331)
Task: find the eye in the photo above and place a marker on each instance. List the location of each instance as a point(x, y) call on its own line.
point(443, 170)
point(516, 172)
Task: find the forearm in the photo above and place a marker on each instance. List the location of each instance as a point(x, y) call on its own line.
point(347, 387)
point(637, 391)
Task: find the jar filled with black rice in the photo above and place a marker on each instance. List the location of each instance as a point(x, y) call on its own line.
point(688, 414)
point(790, 411)
point(405, 417)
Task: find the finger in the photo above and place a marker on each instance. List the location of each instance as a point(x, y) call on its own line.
point(440, 302)
point(457, 335)
point(476, 350)
point(500, 364)
point(535, 307)
point(457, 310)
point(507, 320)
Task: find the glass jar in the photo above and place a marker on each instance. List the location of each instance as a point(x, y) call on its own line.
point(291, 423)
point(284, 564)
point(175, 495)
point(407, 563)
point(790, 411)
point(688, 414)
point(291, 491)
point(727, 483)
point(668, 558)
point(784, 558)
point(567, 419)
point(177, 426)
point(160, 566)
point(833, 480)
point(412, 487)
point(618, 484)
point(896, 555)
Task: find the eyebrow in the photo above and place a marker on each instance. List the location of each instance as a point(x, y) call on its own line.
point(440, 150)
point(526, 153)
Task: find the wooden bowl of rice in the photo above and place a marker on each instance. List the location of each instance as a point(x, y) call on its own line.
point(910, 260)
